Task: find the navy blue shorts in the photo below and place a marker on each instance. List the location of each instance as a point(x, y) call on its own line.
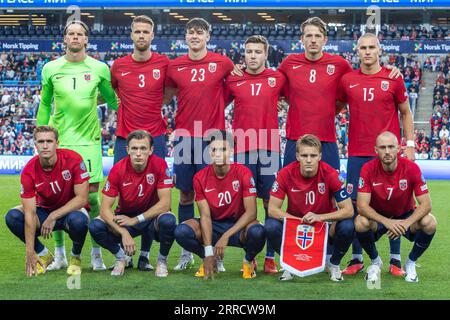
point(146, 227)
point(354, 166)
point(381, 229)
point(330, 153)
point(60, 224)
point(190, 155)
point(222, 226)
point(159, 147)
point(264, 166)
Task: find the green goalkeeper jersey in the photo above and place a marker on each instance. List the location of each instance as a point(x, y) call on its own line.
point(74, 88)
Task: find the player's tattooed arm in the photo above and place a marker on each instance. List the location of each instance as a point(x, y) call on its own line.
point(339, 106)
point(275, 210)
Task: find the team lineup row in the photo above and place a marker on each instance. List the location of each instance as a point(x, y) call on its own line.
point(315, 84)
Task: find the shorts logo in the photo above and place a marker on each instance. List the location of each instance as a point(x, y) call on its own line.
point(330, 69)
point(272, 82)
point(403, 184)
point(66, 175)
point(150, 178)
point(349, 188)
point(361, 183)
point(385, 85)
point(236, 185)
point(275, 187)
point(87, 77)
point(321, 187)
point(305, 236)
point(107, 186)
point(156, 74)
point(212, 67)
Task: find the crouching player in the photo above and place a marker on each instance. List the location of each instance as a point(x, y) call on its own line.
point(226, 197)
point(385, 201)
point(54, 191)
point(312, 188)
point(142, 183)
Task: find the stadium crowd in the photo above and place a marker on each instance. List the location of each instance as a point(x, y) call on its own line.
point(20, 98)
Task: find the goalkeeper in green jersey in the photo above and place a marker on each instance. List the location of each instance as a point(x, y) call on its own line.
point(72, 82)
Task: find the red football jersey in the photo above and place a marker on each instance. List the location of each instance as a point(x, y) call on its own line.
point(255, 108)
point(140, 88)
point(200, 92)
point(137, 191)
point(316, 194)
point(225, 196)
point(312, 87)
point(373, 105)
point(392, 193)
point(53, 189)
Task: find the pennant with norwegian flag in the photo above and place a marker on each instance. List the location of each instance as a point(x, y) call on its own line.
point(304, 247)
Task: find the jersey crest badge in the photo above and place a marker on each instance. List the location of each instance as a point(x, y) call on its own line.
point(272, 82)
point(321, 187)
point(66, 175)
point(385, 85)
point(403, 184)
point(305, 236)
point(236, 185)
point(87, 77)
point(150, 178)
point(330, 69)
point(156, 74)
point(349, 188)
point(212, 67)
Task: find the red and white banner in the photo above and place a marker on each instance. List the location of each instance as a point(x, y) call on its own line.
point(304, 247)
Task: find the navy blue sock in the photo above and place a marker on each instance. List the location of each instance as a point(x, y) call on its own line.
point(78, 228)
point(185, 212)
point(356, 246)
point(185, 237)
point(395, 245)
point(421, 243)
point(99, 232)
point(270, 252)
point(167, 224)
point(146, 241)
point(343, 236)
point(256, 238)
point(367, 241)
point(15, 220)
point(274, 230)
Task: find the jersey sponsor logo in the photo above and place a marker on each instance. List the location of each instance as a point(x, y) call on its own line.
point(59, 77)
point(252, 181)
point(123, 74)
point(21, 189)
point(107, 185)
point(296, 67)
point(403, 184)
point(275, 187)
point(236, 185)
point(424, 187)
point(321, 187)
point(39, 184)
point(212, 67)
point(305, 236)
point(353, 85)
point(84, 175)
point(349, 188)
point(272, 82)
point(385, 85)
point(126, 184)
point(361, 183)
point(66, 175)
point(168, 181)
point(181, 69)
point(376, 184)
point(150, 178)
point(156, 74)
point(331, 69)
point(240, 83)
point(209, 190)
point(82, 166)
point(87, 77)
point(295, 190)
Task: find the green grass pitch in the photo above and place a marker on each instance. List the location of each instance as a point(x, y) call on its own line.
point(434, 281)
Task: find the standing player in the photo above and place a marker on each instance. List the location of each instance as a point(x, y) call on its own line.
point(54, 190)
point(314, 180)
point(73, 82)
point(139, 83)
point(142, 183)
point(387, 187)
point(198, 79)
point(374, 102)
point(255, 122)
point(226, 197)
